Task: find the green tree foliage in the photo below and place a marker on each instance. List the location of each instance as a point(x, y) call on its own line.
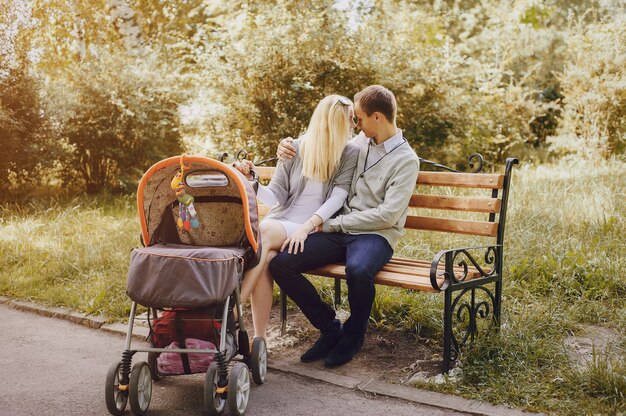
point(468, 76)
point(521, 78)
point(22, 129)
point(113, 111)
point(115, 128)
point(272, 67)
point(23, 125)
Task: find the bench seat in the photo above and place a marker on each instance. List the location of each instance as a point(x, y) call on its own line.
point(400, 272)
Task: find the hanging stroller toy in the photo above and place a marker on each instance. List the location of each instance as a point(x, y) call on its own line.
point(188, 277)
point(187, 216)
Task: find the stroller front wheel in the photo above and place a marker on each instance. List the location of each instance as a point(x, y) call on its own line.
point(213, 402)
point(140, 388)
point(115, 399)
point(258, 360)
point(238, 389)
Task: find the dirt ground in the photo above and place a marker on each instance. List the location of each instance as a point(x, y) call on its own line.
point(397, 357)
point(390, 356)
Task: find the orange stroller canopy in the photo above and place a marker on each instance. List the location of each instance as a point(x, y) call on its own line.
point(221, 223)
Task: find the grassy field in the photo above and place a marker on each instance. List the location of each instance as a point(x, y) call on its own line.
point(565, 272)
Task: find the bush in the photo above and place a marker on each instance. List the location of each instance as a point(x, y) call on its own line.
point(269, 72)
point(594, 86)
point(114, 129)
point(23, 125)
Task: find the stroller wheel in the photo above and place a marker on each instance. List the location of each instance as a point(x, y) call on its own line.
point(238, 389)
point(258, 360)
point(152, 363)
point(115, 399)
point(213, 402)
point(140, 388)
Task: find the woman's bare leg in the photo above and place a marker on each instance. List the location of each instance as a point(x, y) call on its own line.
point(272, 237)
point(261, 299)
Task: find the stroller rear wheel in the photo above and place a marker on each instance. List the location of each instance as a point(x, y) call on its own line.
point(258, 360)
point(152, 363)
point(140, 388)
point(115, 399)
point(238, 389)
point(213, 402)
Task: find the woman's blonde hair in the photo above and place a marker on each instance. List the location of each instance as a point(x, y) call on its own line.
point(324, 140)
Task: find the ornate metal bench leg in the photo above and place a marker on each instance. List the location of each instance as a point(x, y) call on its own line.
point(283, 312)
point(447, 331)
point(337, 293)
point(497, 307)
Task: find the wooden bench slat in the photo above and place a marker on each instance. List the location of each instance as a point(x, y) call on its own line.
point(467, 204)
point(423, 264)
point(462, 180)
point(419, 264)
point(415, 282)
point(471, 274)
point(456, 203)
point(470, 227)
point(409, 262)
point(265, 172)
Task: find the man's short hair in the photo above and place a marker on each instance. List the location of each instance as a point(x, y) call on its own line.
point(377, 98)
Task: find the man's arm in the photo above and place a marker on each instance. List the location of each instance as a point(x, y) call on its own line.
point(387, 214)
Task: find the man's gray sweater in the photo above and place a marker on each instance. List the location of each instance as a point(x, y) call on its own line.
point(379, 196)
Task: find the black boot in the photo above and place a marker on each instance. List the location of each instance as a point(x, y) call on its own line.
point(327, 340)
point(347, 347)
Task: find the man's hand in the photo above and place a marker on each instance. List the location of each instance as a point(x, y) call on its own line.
point(286, 150)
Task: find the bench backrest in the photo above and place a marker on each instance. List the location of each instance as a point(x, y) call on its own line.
point(494, 206)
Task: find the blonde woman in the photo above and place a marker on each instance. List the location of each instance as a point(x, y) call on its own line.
point(304, 192)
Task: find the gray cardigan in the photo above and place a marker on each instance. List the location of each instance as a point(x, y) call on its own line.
point(379, 197)
point(288, 182)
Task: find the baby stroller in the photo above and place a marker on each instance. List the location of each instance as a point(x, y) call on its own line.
point(200, 232)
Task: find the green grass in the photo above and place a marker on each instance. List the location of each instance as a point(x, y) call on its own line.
point(72, 253)
point(564, 269)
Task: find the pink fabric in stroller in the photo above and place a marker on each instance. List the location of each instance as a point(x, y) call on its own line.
point(172, 363)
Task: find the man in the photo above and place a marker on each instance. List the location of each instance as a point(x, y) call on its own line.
point(363, 235)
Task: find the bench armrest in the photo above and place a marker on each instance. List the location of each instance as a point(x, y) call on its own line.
point(492, 257)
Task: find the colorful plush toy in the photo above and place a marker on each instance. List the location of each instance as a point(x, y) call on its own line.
point(187, 216)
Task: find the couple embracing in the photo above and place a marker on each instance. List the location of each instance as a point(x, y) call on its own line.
point(335, 200)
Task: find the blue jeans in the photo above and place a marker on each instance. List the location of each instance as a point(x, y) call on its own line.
point(364, 255)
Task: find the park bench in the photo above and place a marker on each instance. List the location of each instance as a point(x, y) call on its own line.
point(456, 272)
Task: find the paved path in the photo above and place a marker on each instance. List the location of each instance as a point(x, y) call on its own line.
point(53, 367)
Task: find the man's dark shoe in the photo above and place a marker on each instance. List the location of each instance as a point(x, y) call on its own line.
point(347, 347)
point(325, 343)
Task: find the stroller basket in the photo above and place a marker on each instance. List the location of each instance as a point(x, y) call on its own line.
point(166, 275)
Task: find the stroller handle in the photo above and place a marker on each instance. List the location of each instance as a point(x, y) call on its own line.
point(255, 180)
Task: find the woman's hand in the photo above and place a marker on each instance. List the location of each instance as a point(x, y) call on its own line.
point(296, 240)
